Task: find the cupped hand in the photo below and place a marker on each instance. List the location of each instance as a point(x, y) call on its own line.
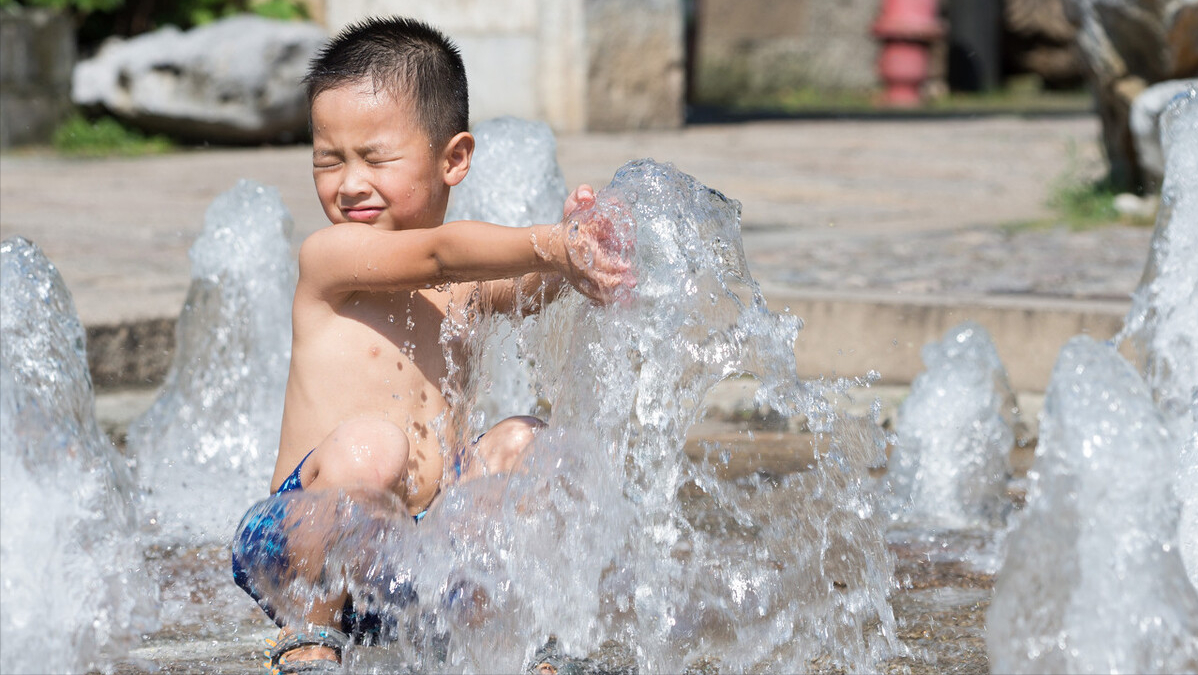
point(599, 242)
point(582, 196)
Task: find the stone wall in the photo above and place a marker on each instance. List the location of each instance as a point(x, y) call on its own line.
point(575, 64)
point(37, 52)
point(754, 48)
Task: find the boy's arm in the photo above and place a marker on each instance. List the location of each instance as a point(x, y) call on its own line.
point(592, 255)
point(350, 256)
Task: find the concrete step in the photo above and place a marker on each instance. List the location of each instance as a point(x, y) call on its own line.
point(845, 335)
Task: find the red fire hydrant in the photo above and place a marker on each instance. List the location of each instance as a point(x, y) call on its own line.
point(907, 29)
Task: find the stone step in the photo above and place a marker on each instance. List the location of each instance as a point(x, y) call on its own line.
point(845, 335)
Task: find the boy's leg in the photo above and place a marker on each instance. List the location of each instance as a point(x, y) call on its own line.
point(495, 452)
point(369, 454)
point(498, 450)
point(360, 456)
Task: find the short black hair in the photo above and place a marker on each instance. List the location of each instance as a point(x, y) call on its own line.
point(403, 57)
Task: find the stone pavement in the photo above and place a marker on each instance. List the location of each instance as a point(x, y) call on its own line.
point(880, 233)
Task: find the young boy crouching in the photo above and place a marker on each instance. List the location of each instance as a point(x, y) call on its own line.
point(388, 105)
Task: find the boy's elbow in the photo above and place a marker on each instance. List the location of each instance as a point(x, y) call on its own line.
point(322, 261)
point(309, 257)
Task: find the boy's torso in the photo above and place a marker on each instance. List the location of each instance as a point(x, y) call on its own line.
point(370, 356)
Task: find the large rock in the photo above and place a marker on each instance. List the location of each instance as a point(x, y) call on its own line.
point(599, 65)
point(232, 81)
point(1145, 124)
point(1129, 45)
point(635, 77)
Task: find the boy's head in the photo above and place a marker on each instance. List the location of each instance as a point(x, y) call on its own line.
point(405, 59)
point(389, 115)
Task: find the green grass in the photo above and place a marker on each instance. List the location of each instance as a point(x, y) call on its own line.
point(1080, 201)
point(105, 137)
point(1081, 205)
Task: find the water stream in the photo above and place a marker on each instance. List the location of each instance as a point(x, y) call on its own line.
point(1094, 578)
point(214, 427)
point(950, 463)
point(72, 572)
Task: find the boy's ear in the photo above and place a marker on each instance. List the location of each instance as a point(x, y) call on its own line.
point(458, 152)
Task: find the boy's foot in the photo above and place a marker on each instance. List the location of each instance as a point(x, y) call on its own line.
point(316, 650)
point(548, 660)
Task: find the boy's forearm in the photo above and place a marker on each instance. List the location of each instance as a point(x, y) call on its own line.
point(476, 251)
point(351, 257)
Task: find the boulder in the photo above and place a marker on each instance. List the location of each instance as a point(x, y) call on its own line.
point(236, 80)
point(1128, 45)
point(1144, 120)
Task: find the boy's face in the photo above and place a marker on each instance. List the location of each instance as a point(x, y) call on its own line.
point(373, 163)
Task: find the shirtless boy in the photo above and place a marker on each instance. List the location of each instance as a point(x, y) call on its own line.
point(388, 103)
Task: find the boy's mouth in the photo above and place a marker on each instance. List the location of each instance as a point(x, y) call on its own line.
point(362, 214)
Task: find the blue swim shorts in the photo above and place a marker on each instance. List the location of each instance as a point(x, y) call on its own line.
point(260, 545)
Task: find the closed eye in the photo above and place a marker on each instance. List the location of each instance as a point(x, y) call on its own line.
point(324, 159)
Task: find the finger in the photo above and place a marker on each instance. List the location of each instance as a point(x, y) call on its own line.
point(571, 205)
point(581, 196)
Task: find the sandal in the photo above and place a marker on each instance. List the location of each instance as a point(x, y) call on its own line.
point(315, 637)
point(548, 660)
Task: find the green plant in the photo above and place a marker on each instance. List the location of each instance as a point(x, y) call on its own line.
point(105, 136)
point(1082, 201)
point(80, 6)
point(187, 13)
point(1084, 204)
point(97, 20)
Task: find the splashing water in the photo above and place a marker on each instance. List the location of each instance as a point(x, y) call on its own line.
point(1093, 580)
point(1163, 320)
point(593, 537)
point(70, 564)
point(514, 180)
point(214, 427)
point(514, 177)
point(950, 464)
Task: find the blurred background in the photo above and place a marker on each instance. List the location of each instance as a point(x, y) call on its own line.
point(97, 76)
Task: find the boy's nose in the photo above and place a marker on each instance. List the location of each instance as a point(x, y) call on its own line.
point(354, 184)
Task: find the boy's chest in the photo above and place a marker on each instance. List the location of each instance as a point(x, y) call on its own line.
point(405, 328)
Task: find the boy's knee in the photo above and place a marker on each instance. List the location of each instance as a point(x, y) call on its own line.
point(365, 453)
point(508, 439)
point(519, 430)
